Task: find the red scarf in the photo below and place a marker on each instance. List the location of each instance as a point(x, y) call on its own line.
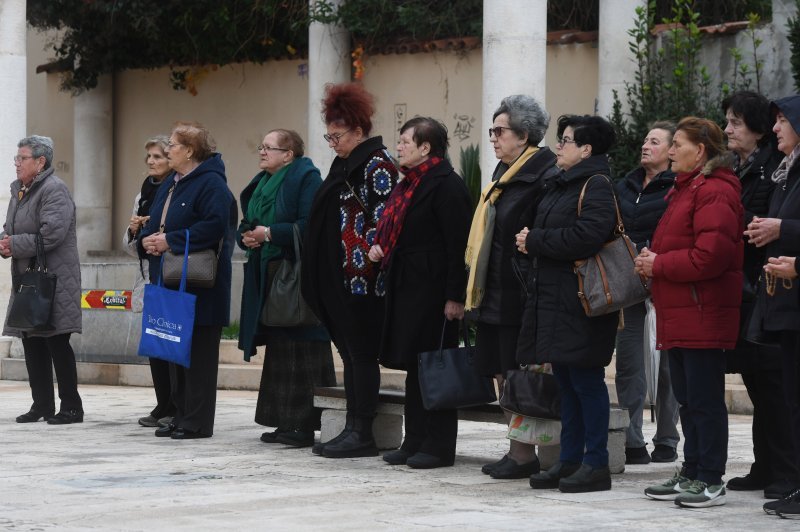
point(391, 223)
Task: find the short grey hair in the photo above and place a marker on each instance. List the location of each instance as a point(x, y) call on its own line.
point(40, 147)
point(525, 116)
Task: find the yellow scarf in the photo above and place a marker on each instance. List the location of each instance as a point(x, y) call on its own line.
point(482, 229)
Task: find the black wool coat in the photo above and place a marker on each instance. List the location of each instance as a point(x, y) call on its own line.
point(427, 268)
point(515, 208)
point(555, 327)
point(642, 208)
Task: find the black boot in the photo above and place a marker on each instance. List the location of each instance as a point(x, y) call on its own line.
point(348, 428)
point(359, 442)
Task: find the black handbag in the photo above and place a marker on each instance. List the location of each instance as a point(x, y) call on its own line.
point(284, 305)
point(448, 377)
point(34, 291)
point(531, 393)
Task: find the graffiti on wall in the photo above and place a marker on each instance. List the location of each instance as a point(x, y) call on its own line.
point(400, 114)
point(464, 126)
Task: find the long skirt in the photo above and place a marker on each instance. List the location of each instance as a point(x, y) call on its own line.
point(291, 371)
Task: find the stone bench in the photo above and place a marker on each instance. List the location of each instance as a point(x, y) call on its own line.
point(388, 424)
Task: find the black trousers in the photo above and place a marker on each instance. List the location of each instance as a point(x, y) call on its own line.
point(362, 382)
point(773, 449)
point(698, 381)
point(42, 354)
point(159, 370)
point(429, 431)
point(194, 389)
point(790, 350)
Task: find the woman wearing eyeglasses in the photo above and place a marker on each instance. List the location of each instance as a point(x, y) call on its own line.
point(297, 358)
point(555, 327)
point(494, 292)
point(341, 285)
point(41, 204)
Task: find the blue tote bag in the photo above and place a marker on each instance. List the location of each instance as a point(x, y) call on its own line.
point(168, 319)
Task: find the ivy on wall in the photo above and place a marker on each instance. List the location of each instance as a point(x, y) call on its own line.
point(103, 36)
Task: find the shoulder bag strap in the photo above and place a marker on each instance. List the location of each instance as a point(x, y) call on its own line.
point(166, 208)
point(620, 228)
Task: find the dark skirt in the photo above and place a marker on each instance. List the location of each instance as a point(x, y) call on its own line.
point(291, 371)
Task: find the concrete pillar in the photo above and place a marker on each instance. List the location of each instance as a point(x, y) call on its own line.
point(616, 63)
point(13, 113)
point(93, 155)
point(328, 62)
point(514, 61)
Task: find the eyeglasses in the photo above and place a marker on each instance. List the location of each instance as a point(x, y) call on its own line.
point(335, 137)
point(565, 140)
point(19, 158)
point(173, 144)
point(497, 131)
point(264, 147)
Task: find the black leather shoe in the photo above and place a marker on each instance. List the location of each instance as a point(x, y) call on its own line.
point(348, 428)
point(164, 421)
point(148, 421)
point(164, 432)
point(33, 417)
point(511, 469)
point(549, 479)
point(779, 489)
point(359, 442)
point(183, 434)
point(428, 461)
point(487, 468)
point(586, 479)
point(272, 437)
point(66, 418)
point(296, 438)
point(637, 455)
point(749, 483)
point(664, 453)
point(398, 457)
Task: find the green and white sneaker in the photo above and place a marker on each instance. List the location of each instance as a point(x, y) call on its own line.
point(698, 494)
point(670, 489)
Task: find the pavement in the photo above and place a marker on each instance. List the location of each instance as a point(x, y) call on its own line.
point(109, 473)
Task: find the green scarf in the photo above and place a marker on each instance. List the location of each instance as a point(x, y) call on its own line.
point(262, 209)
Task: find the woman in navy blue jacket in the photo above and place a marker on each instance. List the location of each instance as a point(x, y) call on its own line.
point(199, 200)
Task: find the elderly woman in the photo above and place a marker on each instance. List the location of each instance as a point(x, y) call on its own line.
point(341, 285)
point(695, 264)
point(41, 205)
point(555, 327)
point(420, 243)
point(750, 139)
point(778, 300)
point(196, 197)
point(494, 293)
point(298, 358)
point(157, 170)
point(641, 201)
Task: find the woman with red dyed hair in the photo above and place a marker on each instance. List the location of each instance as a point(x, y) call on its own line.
point(342, 286)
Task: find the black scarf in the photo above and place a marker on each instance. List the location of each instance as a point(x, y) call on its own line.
point(149, 189)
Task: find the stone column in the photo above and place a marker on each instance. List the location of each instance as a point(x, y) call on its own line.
point(13, 111)
point(616, 63)
point(94, 147)
point(328, 62)
point(514, 61)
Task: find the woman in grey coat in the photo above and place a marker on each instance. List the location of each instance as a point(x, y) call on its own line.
point(41, 203)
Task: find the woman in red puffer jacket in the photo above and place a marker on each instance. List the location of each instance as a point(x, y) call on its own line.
point(696, 268)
